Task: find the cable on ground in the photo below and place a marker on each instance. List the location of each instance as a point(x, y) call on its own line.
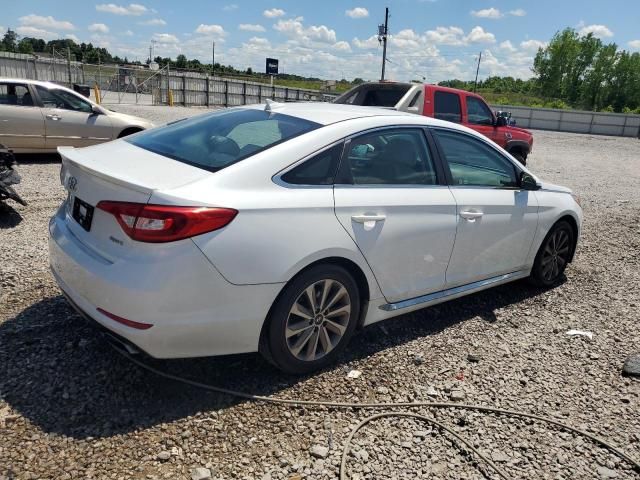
point(347, 446)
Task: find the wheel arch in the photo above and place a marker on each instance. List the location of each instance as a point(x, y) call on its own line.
point(129, 131)
point(349, 265)
point(576, 231)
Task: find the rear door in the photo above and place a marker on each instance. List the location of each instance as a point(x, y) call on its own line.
point(390, 198)
point(70, 120)
point(496, 219)
point(447, 106)
point(21, 121)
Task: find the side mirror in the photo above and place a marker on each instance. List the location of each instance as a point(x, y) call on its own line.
point(96, 110)
point(501, 122)
point(527, 182)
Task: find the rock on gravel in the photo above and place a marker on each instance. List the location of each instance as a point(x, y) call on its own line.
point(200, 473)
point(631, 365)
point(319, 451)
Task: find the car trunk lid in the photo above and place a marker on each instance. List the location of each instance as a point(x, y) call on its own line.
point(117, 171)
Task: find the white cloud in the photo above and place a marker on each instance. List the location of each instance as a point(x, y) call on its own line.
point(25, 31)
point(294, 29)
point(600, 31)
point(71, 36)
point(273, 13)
point(532, 45)
point(446, 36)
point(45, 22)
point(134, 9)
point(342, 46)
point(633, 44)
point(211, 30)
point(321, 33)
point(128, 33)
point(165, 38)
point(492, 13)
point(518, 12)
point(478, 35)
point(153, 22)
point(98, 27)
point(231, 7)
point(357, 12)
point(507, 46)
point(250, 27)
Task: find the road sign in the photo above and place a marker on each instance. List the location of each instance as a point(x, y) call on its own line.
point(272, 66)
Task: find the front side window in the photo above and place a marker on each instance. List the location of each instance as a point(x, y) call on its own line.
point(216, 140)
point(15, 94)
point(474, 163)
point(391, 157)
point(478, 112)
point(447, 107)
point(55, 98)
point(318, 170)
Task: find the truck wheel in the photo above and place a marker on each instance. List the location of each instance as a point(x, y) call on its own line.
point(520, 157)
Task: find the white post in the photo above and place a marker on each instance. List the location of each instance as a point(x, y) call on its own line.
point(271, 80)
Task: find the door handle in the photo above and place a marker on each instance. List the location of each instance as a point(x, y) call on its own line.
point(471, 215)
point(53, 116)
point(368, 218)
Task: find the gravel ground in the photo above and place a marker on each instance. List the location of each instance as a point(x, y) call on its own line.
point(71, 407)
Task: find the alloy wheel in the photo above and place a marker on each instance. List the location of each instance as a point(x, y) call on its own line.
point(318, 320)
point(555, 255)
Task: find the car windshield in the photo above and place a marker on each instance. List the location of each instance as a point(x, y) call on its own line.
point(220, 139)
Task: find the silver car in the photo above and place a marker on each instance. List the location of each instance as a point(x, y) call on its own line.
point(38, 117)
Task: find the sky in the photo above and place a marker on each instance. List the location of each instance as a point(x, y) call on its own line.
point(430, 40)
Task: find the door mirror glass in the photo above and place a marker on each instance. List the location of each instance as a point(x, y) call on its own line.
point(527, 182)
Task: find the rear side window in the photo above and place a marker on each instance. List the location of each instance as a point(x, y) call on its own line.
point(318, 170)
point(15, 94)
point(447, 107)
point(215, 141)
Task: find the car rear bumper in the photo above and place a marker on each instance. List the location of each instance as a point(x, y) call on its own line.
point(193, 309)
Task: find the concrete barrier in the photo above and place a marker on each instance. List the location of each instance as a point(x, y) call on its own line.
point(574, 121)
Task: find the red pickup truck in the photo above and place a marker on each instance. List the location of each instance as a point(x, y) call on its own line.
point(444, 103)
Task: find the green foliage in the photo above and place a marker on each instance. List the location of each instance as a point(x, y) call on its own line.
point(587, 74)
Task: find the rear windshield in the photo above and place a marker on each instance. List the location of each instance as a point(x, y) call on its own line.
point(217, 140)
point(384, 95)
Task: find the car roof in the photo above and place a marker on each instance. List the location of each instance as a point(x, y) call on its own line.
point(328, 113)
point(30, 81)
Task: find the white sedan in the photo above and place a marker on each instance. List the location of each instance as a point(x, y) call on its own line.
point(285, 228)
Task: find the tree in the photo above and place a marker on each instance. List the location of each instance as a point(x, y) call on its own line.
point(25, 46)
point(181, 61)
point(249, 71)
point(9, 41)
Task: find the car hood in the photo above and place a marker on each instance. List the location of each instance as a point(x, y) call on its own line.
point(524, 131)
point(125, 119)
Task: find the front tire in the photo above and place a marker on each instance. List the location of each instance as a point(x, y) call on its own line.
point(553, 256)
point(313, 319)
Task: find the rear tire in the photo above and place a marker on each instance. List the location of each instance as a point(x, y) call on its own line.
point(313, 319)
point(553, 256)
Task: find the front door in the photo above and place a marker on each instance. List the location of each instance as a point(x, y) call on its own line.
point(480, 118)
point(496, 219)
point(70, 120)
point(397, 209)
point(21, 121)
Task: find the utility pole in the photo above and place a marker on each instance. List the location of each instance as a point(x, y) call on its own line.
point(475, 84)
point(213, 58)
point(69, 67)
point(383, 30)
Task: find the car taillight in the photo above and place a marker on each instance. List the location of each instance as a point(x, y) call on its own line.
point(162, 223)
